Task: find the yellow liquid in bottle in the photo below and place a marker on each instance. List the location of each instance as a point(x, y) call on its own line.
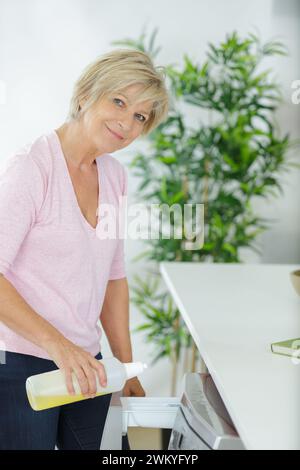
point(42, 402)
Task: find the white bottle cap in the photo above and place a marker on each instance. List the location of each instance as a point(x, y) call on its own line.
point(132, 369)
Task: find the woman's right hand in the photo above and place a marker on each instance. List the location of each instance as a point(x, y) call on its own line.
point(71, 358)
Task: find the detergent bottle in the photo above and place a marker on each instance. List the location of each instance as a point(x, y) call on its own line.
point(49, 389)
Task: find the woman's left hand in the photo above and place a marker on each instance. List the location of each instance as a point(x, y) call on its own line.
point(133, 388)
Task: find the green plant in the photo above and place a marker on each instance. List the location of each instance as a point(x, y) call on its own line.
point(225, 162)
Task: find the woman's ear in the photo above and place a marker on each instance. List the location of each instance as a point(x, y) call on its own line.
point(81, 103)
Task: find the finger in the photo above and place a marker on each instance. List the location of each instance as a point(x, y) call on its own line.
point(90, 374)
point(82, 379)
point(100, 369)
point(69, 381)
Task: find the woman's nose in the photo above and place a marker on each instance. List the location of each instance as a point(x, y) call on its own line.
point(125, 123)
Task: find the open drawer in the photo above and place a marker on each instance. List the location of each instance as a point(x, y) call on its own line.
point(147, 412)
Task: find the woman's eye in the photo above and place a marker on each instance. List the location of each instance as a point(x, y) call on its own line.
point(143, 117)
point(117, 99)
point(141, 120)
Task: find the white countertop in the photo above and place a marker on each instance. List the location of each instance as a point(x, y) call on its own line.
point(234, 312)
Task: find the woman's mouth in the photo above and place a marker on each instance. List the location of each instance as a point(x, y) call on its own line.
point(115, 134)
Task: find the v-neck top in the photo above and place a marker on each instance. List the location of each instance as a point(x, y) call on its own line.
point(51, 254)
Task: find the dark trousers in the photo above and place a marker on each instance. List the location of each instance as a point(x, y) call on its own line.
point(76, 426)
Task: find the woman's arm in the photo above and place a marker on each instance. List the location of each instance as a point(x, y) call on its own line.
point(17, 315)
point(114, 318)
point(115, 321)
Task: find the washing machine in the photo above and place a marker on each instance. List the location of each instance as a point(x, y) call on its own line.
point(202, 421)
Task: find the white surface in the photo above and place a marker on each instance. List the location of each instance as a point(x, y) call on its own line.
point(234, 312)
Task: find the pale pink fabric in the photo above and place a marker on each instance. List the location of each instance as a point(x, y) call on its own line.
point(48, 251)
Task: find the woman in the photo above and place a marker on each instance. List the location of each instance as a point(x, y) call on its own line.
point(59, 276)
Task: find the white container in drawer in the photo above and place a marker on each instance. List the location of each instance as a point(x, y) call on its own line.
point(149, 412)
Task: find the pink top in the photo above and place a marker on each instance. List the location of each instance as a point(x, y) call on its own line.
point(48, 250)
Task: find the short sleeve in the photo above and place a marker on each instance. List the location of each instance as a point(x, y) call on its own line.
point(21, 196)
point(117, 269)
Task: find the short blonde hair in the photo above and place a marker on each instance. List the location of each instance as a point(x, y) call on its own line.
point(116, 70)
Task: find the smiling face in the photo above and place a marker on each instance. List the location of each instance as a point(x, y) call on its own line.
point(116, 120)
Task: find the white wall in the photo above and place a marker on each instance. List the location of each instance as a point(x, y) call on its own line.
point(45, 44)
